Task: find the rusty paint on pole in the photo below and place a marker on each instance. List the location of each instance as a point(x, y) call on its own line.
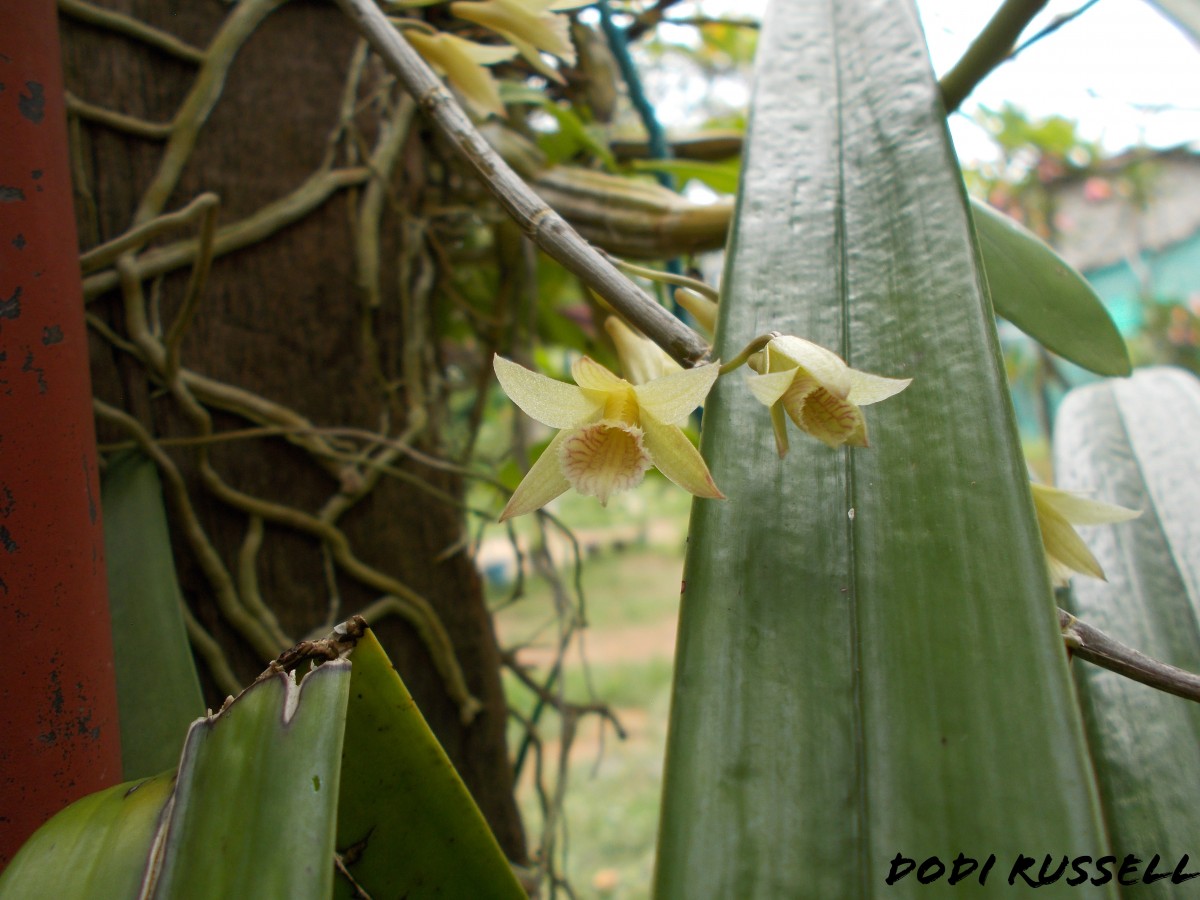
point(58, 714)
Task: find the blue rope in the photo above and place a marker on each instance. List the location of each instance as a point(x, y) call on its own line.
point(655, 133)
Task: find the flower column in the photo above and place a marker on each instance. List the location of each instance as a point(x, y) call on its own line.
point(58, 715)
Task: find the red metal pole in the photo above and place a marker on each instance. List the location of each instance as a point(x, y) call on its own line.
point(59, 737)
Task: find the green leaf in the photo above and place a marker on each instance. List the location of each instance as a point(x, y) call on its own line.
point(267, 789)
point(96, 847)
point(1133, 443)
point(254, 812)
point(406, 824)
point(868, 661)
point(572, 136)
point(722, 177)
point(1037, 291)
point(158, 691)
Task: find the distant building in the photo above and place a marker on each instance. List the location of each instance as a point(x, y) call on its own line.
point(1133, 228)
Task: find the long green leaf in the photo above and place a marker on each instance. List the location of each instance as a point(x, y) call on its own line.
point(254, 812)
point(158, 691)
point(868, 661)
point(96, 847)
point(406, 824)
point(1133, 443)
point(1045, 297)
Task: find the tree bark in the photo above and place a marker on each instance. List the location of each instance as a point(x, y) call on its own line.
point(290, 319)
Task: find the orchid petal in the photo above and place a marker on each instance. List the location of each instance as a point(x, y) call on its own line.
point(546, 31)
point(483, 54)
point(779, 426)
point(533, 56)
point(591, 376)
point(672, 398)
point(553, 403)
point(702, 309)
point(1064, 546)
point(542, 483)
point(829, 369)
point(866, 388)
point(463, 63)
point(1079, 510)
point(769, 388)
point(675, 457)
point(858, 437)
point(642, 360)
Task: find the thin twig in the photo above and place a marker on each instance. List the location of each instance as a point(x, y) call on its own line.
point(1059, 22)
point(649, 19)
point(1090, 643)
point(546, 227)
point(988, 50)
point(724, 22)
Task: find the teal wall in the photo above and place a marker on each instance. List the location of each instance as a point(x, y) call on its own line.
point(1172, 276)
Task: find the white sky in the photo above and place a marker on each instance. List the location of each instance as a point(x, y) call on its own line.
point(1122, 70)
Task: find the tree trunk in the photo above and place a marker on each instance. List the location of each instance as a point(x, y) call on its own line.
point(298, 317)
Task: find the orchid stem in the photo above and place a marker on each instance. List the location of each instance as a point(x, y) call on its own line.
point(694, 284)
point(749, 350)
point(1092, 644)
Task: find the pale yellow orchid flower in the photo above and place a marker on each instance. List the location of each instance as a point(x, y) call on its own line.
point(611, 433)
point(817, 390)
point(1057, 511)
point(642, 360)
point(463, 63)
point(529, 25)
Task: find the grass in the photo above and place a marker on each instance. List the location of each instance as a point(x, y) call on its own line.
point(631, 598)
